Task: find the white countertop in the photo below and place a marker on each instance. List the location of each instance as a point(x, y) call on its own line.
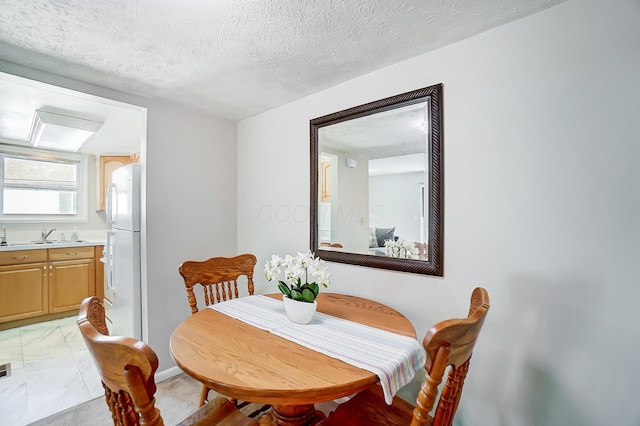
point(53, 244)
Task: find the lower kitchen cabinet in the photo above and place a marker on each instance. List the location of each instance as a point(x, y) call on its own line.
point(71, 277)
point(37, 283)
point(23, 291)
point(23, 284)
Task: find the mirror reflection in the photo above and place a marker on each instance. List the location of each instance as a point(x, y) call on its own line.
point(373, 192)
point(372, 174)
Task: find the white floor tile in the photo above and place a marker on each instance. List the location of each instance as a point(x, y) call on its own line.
point(74, 339)
point(89, 372)
point(43, 345)
point(12, 332)
point(11, 349)
point(68, 322)
point(13, 400)
point(57, 390)
point(51, 371)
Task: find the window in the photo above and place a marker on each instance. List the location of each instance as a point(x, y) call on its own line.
point(42, 186)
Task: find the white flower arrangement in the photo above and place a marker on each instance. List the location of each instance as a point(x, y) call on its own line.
point(297, 272)
point(401, 248)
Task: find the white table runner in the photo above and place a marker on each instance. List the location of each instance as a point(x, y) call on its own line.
point(392, 357)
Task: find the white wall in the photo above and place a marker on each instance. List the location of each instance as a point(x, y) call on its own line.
point(189, 169)
point(350, 206)
point(191, 208)
point(541, 149)
point(395, 201)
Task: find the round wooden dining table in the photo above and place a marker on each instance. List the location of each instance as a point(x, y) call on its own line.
point(244, 362)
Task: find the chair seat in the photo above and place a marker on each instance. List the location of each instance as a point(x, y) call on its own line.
point(369, 408)
point(219, 411)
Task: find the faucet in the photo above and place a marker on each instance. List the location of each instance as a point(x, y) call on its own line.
point(3, 239)
point(46, 234)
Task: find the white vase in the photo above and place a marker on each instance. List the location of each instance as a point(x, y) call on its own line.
point(299, 312)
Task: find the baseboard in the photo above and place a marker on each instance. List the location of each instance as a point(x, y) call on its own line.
point(167, 374)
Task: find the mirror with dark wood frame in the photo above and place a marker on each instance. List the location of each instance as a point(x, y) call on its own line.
point(377, 184)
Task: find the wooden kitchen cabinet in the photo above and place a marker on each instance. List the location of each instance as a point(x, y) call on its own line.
point(71, 277)
point(23, 284)
point(107, 164)
point(41, 285)
point(325, 182)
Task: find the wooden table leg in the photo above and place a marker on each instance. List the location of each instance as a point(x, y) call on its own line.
point(296, 415)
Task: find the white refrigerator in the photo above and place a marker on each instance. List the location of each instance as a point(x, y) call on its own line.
point(122, 299)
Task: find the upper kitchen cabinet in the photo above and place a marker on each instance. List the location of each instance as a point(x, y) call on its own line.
point(106, 165)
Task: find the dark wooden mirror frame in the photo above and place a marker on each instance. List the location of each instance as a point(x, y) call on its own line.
point(434, 263)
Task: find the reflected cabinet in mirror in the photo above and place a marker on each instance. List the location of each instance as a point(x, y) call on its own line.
point(377, 184)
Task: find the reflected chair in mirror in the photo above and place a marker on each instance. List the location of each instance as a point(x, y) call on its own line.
point(422, 250)
point(449, 343)
point(127, 368)
point(218, 278)
point(335, 245)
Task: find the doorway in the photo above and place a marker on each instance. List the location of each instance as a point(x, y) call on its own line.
point(50, 367)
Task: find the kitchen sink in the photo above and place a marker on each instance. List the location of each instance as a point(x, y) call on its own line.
point(30, 243)
point(43, 243)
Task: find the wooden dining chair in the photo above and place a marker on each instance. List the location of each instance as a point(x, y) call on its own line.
point(449, 343)
point(423, 250)
point(218, 278)
point(127, 369)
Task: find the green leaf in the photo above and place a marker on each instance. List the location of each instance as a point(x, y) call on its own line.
point(296, 294)
point(314, 288)
point(308, 295)
point(284, 289)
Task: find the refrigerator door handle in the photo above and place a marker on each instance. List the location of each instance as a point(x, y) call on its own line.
point(111, 199)
point(109, 261)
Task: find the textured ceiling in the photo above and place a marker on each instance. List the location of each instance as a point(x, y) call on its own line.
point(236, 58)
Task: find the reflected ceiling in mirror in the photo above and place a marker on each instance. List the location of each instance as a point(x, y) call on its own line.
point(376, 184)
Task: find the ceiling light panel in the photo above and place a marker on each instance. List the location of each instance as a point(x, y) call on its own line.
point(62, 132)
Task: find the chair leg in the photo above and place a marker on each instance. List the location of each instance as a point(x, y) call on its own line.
point(203, 395)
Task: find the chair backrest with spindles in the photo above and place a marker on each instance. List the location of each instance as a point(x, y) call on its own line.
point(126, 366)
point(218, 277)
point(449, 343)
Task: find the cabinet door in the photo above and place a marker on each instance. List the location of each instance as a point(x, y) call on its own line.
point(70, 282)
point(325, 182)
point(23, 291)
point(107, 165)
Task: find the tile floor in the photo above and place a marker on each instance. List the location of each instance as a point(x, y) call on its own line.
point(51, 370)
